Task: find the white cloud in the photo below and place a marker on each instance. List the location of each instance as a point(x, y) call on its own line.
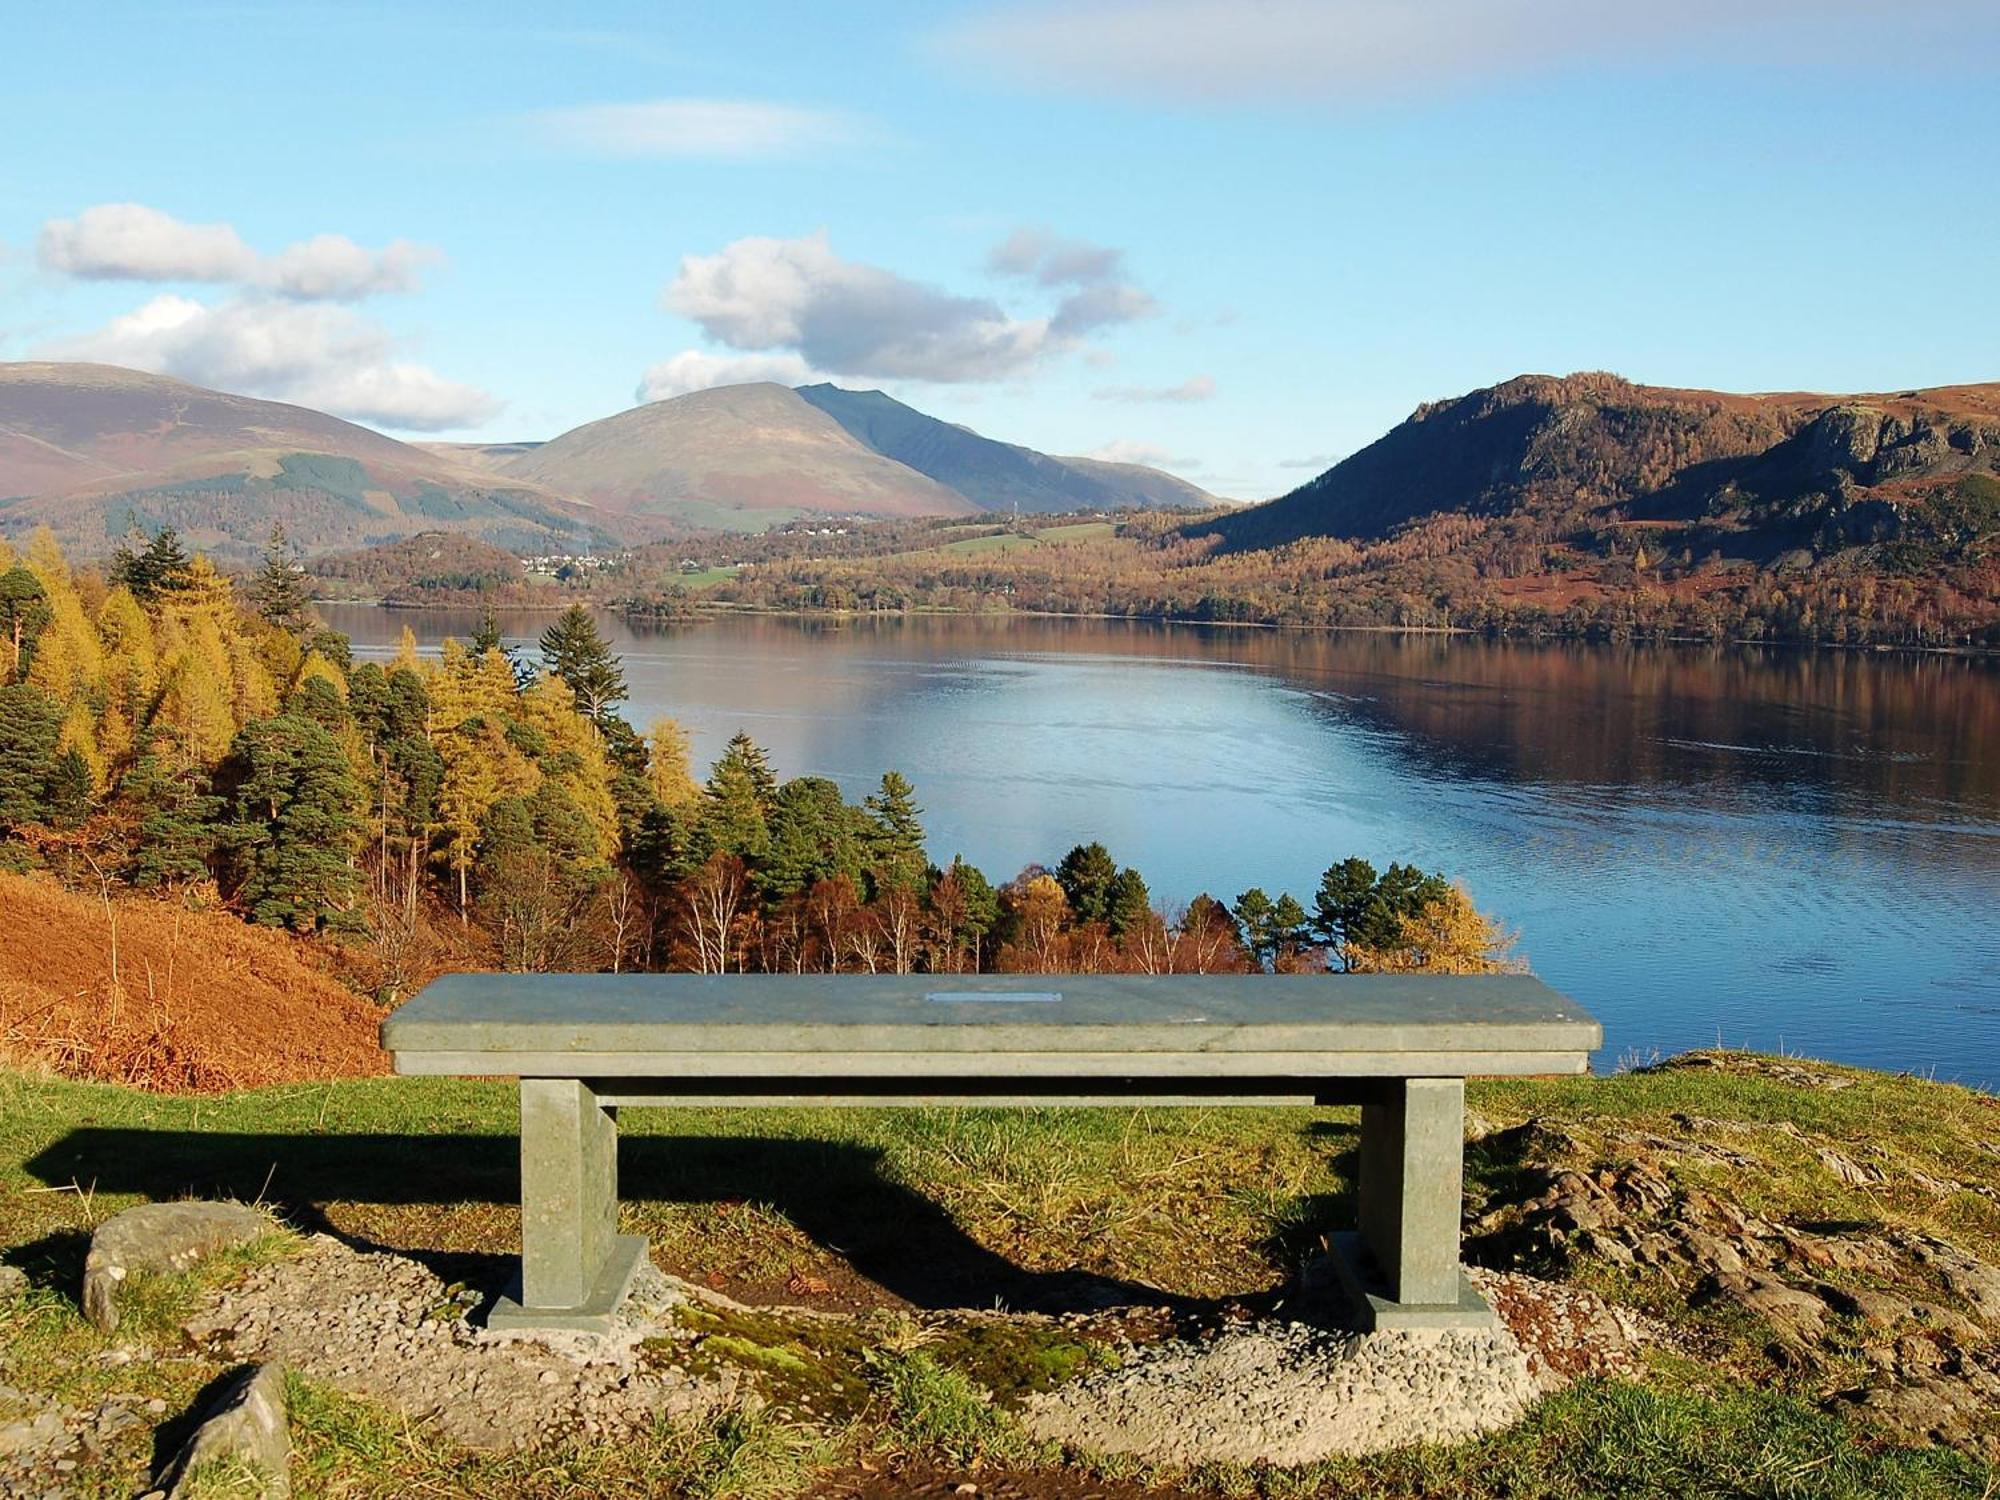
point(1310, 461)
point(686, 129)
point(849, 318)
point(1101, 298)
point(699, 370)
point(1132, 451)
point(313, 354)
point(1346, 50)
point(1053, 260)
point(131, 242)
point(331, 266)
point(1194, 388)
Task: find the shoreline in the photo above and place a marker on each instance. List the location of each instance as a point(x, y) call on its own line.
point(718, 609)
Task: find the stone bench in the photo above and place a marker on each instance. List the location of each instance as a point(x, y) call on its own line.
point(585, 1046)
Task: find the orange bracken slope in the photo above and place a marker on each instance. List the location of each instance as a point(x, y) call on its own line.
point(204, 1001)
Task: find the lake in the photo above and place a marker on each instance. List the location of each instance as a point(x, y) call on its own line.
point(1774, 849)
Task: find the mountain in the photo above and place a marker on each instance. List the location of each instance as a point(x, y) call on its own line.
point(1753, 475)
point(92, 450)
point(995, 475)
point(737, 455)
point(745, 456)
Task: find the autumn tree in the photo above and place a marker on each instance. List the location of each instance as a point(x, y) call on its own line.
point(1447, 934)
point(1355, 908)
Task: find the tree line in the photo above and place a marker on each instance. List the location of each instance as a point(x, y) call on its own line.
point(163, 729)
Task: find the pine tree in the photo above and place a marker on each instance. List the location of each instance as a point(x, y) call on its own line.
point(814, 835)
point(176, 816)
point(24, 615)
point(896, 834)
point(737, 802)
point(29, 727)
point(293, 825)
point(1128, 903)
point(279, 591)
point(1085, 875)
point(577, 655)
point(160, 567)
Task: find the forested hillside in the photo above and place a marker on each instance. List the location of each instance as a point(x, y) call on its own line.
point(162, 732)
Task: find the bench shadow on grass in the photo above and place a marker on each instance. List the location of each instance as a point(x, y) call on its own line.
point(835, 1192)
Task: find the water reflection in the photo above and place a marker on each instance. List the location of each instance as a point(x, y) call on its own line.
point(1773, 847)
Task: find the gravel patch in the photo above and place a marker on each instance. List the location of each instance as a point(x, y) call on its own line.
point(384, 1327)
point(1289, 1394)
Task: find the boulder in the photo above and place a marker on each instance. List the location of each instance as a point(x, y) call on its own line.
point(13, 1282)
point(245, 1429)
point(159, 1237)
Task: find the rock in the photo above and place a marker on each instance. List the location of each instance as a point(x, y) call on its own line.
point(159, 1237)
point(246, 1428)
point(43, 1433)
point(1796, 1315)
point(1880, 1309)
point(14, 1282)
point(1933, 1410)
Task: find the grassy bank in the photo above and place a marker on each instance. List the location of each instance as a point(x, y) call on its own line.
point(895, 1218)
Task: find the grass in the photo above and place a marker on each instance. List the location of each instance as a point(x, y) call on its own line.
point(908, 1214)
point(1019, 541)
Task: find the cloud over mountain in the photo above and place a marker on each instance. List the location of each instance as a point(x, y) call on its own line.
point(849, 318)
point(700, 370)
point(278, 334)
point(131, 242)
point(313, 354)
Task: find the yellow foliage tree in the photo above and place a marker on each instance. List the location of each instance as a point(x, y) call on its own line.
point(669, 764)
point(79, 733)
point(131, 656)
point(576, 759)
point(480, 767)
point(1448, 936)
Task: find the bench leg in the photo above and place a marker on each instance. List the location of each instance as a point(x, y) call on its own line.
point(575, 1266)
point(1412, 1179)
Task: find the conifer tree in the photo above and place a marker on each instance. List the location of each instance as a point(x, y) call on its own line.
point(24, 615)
point(293, 824)
point(29, 727)
point(279, 590)
point(160, 567)
point(896, 834)
point(1085, 875)
point(577, 655)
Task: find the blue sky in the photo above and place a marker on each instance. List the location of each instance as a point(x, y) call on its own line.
point(1233, 238)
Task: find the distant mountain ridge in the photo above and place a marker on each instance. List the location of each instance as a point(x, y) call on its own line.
point(743, 453)
point(94, 450)
point(91, 450)
point(1767, 471)
point(995, 475)
point(731, 453)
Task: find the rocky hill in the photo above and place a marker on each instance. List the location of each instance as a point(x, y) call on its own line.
point(93, 450)
point(1750, 475)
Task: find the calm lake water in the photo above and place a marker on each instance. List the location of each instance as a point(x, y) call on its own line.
point(1774, 849)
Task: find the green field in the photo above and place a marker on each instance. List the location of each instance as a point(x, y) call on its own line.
point(1014, 541)
point(915, 1212)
